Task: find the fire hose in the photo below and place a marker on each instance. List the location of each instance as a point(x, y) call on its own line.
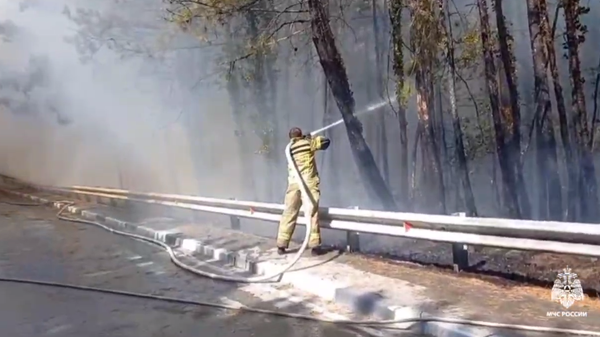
point(308, 204)
point(386, 324)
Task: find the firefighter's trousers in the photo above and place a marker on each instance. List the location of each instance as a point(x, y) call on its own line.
point(293, 204)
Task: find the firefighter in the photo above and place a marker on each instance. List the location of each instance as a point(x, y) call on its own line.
point(303, 148)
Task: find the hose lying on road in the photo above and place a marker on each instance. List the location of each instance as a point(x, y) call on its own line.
point(170, 251)
point(386, 324)
point(308, 204)
point(19, 203)
point(301, 316)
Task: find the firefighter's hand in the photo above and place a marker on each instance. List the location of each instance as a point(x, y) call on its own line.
point(308, 136)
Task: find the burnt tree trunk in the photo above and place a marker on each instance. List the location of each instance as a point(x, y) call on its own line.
point(514, 144)
point(413, 175)
point(587, 179)
point(595, 109)
point(337, 78)
point(432, 168)
point(395, 9)
point(331, 159)
point(549, 187)
point(380, 117)
point(505, 160)
point(422, 41)
point(459, 146)
point(571, 160)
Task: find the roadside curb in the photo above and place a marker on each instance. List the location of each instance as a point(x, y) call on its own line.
point(355, 299)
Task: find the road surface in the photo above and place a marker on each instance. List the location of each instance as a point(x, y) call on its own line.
point(35, 245)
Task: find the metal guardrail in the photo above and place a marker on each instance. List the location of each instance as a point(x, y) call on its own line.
point(460, 231)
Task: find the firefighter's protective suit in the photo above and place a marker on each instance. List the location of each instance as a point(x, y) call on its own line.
point(303, 153)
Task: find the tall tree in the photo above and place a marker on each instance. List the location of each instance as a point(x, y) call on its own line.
point(331, 159)
point(574, 36)
point(509, 181)
point(382, 140)
point(190, 13)
point(546, 33)
point(514, 144)
point(337, 78)
point(459, 147)
point(395, 9)
point(549, 187)
point(424, 39)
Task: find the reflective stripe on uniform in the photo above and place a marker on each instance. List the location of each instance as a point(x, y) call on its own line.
point(301, 149)
point(303, 153)
point(316, 143)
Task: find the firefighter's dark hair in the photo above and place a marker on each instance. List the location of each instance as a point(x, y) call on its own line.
point(295, 133)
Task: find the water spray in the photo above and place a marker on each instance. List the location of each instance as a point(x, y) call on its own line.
point(368, 109)
point(308, 202)
point(385, 324)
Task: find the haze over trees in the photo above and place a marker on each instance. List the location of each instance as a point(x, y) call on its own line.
point(27, 91)
point(492, 106)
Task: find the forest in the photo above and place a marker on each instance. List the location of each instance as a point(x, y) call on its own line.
point(481, 106)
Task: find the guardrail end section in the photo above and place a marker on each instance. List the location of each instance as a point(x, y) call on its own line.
point(460, 252)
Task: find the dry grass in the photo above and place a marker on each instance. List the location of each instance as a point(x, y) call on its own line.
point(497, 288)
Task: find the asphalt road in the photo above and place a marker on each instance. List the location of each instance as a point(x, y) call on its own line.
point(35, 245)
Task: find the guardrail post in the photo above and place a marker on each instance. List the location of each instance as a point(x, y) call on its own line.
point(460, 252)
point(352, 240)
point(234, 220)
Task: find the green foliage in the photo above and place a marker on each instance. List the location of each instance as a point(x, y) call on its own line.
point(405, 93)
point(218, 20)
point(428, 40)
point(470, 48)
point(426, 35)
point(478, 134)
point(261, 26)
point(581, 29)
